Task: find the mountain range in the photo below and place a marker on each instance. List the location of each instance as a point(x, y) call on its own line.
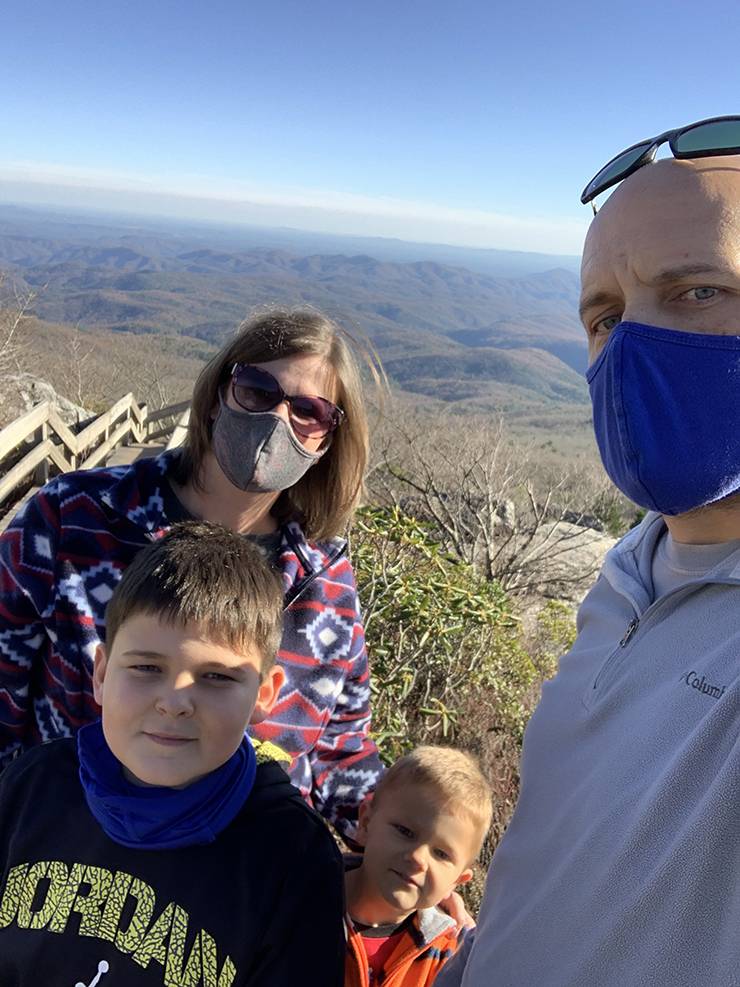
point(506, 341)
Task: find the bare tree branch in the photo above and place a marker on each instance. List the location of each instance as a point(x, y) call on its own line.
point(487, 502)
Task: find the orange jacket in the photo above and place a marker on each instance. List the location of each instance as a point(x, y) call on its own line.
point(424, 946)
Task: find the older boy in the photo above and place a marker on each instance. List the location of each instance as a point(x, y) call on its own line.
point(421, 833)
point(159, 847)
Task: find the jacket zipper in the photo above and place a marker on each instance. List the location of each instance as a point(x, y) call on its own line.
point(629, 633)
point(299, 589)
point(626, 638)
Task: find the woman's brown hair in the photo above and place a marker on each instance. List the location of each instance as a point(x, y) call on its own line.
point(325, 497)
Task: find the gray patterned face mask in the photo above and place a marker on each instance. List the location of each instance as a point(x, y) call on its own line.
point(258, 451)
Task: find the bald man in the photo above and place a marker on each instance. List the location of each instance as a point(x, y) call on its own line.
point(621, 866)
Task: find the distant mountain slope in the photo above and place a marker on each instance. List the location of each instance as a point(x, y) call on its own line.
point(442, 330)
point(82, 227)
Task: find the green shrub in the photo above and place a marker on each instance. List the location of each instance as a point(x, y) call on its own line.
point(556, 634)
point(437, 635)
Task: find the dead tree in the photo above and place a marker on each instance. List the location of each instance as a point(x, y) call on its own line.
point(486, 500)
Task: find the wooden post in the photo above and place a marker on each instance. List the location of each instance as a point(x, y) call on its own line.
point(41, 474)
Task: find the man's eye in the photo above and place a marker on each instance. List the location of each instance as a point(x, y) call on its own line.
point(606, 325)
point(701, 294)
point(217, 677)
point(146, 669)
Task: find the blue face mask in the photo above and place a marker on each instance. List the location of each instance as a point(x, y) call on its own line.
point(151, 818)
point(667, 415)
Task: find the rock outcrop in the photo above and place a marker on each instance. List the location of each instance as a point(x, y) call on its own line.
point(19, 392)
point(564, 559)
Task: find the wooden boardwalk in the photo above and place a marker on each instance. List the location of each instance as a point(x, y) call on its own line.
point(39, 444)
point(124, 455)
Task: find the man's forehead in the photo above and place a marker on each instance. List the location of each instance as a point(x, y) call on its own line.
point(667, 214)
point(663, 180)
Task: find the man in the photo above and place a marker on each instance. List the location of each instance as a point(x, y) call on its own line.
point(621, 866)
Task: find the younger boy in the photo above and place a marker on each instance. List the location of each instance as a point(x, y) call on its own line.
point(421, 832)
point(159, 847)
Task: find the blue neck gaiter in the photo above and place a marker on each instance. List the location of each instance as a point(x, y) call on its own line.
point(154, 818)
point(667, 415)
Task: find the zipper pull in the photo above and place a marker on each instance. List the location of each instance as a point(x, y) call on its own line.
point(629, 633)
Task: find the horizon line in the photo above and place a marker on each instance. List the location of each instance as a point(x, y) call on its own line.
point(301, 210)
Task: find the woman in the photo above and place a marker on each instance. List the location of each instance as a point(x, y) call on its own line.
point(276, 449)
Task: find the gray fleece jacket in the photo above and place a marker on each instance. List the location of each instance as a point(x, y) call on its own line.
point(621, 866)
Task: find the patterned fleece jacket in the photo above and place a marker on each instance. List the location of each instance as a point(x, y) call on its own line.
point(60, 560)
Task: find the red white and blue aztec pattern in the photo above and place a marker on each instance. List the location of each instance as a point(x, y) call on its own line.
point(60, 561)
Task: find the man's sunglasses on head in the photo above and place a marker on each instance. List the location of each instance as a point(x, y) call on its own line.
point(257, 390)
point(705, 139)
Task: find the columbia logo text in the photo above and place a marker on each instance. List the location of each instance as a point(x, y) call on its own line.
point(701, 685)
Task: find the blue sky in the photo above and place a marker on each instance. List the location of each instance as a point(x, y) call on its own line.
point(466, 122)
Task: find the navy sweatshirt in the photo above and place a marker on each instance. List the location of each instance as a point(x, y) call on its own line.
point(262, 906)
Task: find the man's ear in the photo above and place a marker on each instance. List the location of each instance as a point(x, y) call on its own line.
point(465, 876)
point(267, 694)
point(99, 668)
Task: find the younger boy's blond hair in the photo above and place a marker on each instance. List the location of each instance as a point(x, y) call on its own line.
point(455, 777)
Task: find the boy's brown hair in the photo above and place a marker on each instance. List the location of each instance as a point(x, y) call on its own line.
point(454, 775)
point(208, 574)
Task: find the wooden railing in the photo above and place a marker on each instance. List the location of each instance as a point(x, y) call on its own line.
point(53, 444)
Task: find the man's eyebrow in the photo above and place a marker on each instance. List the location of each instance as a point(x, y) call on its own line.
point(672, 274)
point(594, 299)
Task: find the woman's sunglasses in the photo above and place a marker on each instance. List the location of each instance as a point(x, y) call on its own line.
point(257, 390)
point(705, 139)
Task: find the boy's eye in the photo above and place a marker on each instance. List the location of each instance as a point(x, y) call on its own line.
point(403, 830)
point(218, 677)
point(441, 854)
point(145, 668)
